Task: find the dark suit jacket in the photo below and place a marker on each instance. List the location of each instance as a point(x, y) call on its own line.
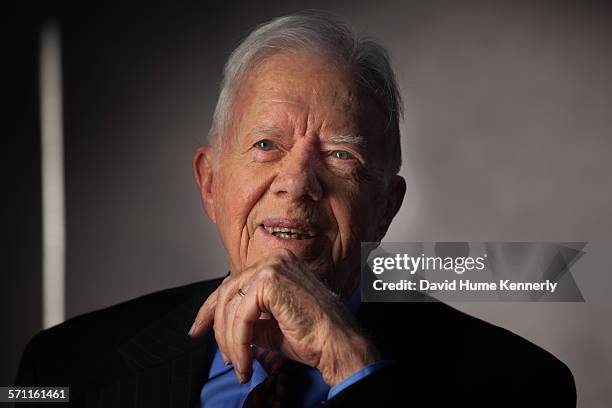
point(138, 354)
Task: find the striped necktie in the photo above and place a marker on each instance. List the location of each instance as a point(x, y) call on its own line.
point(270, 393)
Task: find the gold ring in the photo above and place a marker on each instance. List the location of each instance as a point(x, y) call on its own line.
point(241, 293)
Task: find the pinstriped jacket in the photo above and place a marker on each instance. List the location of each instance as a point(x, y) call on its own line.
point(138, 354)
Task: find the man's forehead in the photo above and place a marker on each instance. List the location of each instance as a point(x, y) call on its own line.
point(302, 92)
point(286, 115)
point(299, 78)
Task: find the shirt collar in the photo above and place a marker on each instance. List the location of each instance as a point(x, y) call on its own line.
point(218, 367)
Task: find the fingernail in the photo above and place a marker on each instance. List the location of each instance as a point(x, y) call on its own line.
point(193, 327)
point(244, 376)
point(226, 361)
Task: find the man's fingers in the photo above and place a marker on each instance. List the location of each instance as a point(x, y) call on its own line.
point(220, 325)
point(230, 312)
point(203, 321)
point(247, 314)
point(205, 317)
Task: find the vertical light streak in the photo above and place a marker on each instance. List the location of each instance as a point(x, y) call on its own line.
point(52, 151)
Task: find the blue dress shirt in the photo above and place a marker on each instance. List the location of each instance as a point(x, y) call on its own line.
point(305, 387)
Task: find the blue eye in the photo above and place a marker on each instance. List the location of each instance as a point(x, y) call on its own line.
point(341, 154)
point(265, 145)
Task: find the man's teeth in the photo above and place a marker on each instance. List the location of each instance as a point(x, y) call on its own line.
point(289, 233)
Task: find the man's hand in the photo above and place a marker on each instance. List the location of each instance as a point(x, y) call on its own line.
point(285, 308)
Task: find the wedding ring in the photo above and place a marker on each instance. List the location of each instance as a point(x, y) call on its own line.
point(241, 293)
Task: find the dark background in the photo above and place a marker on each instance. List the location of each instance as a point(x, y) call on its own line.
point(507, 136)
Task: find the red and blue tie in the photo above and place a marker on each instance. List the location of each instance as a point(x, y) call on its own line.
point(271, 392)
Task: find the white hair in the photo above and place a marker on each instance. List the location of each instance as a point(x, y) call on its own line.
point(322, 33)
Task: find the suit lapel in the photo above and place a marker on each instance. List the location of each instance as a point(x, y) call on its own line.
point(170, 367)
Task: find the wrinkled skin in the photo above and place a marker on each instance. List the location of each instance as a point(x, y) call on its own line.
point(304, 150)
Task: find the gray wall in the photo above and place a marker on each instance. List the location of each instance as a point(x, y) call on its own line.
point(507, 137)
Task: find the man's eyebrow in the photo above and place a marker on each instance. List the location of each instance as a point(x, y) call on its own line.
point(348, 139)
point(339, 139)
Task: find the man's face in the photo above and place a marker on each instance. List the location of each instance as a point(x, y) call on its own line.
point(300, 167)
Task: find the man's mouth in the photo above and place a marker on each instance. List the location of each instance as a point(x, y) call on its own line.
point(290, 228)
point(289, 233)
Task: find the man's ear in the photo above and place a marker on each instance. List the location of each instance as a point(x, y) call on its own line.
point(392, 202)
point(203, 172)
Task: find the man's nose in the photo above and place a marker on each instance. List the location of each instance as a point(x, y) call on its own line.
point(298, 178)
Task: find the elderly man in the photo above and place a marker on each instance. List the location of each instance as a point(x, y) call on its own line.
point(301, 168)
